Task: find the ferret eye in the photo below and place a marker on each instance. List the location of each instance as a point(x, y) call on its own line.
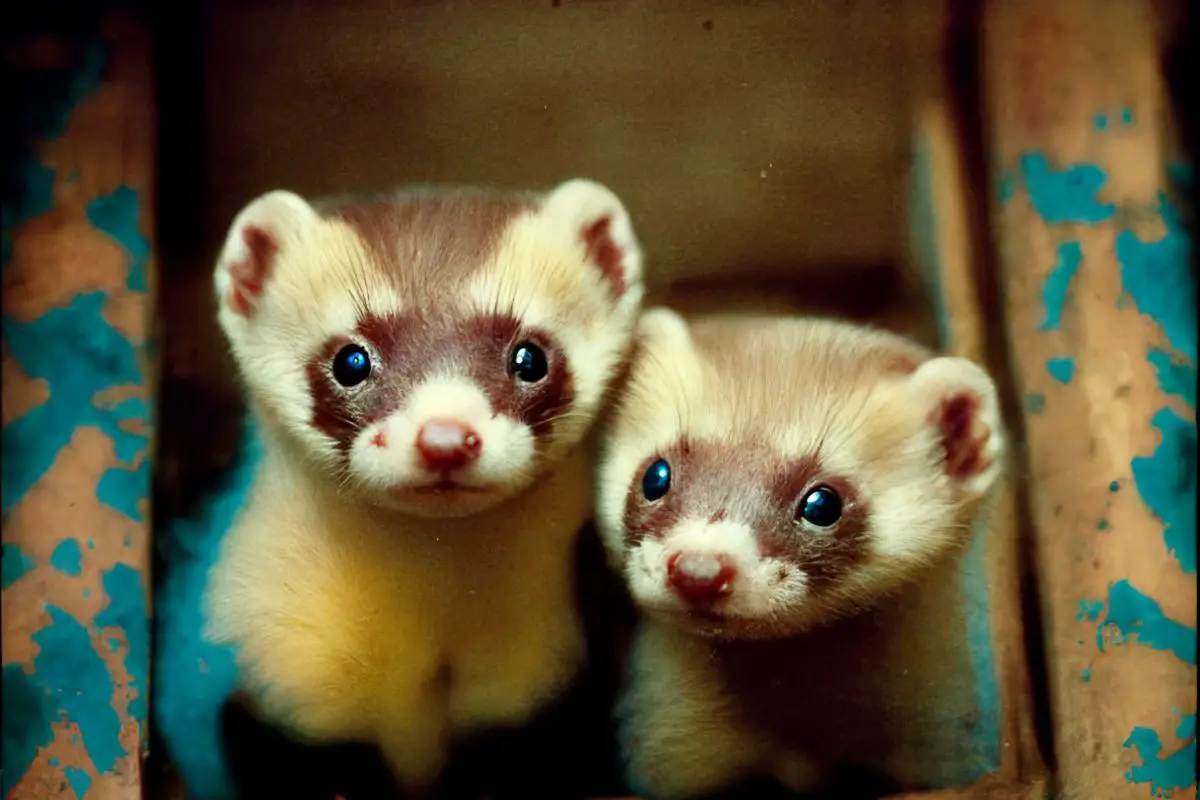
point(821, 507)
point(528, 363)
point(351, 365)
point(657, 480)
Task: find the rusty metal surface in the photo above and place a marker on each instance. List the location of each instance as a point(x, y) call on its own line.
point(77, 440)
point(1100, 293)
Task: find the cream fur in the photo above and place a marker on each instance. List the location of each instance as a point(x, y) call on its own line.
point(361, 616)
point(792, 384)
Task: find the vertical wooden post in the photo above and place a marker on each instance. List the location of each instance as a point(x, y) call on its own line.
point(78, 388)
point(1100, 300)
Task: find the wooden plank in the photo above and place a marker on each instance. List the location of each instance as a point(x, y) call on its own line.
point(1099, 296)
point(946, 242)
point(78, 278)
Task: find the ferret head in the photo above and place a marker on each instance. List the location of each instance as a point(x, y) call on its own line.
point(762, 476)
point(433, 351)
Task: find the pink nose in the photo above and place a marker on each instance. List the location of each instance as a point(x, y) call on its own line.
point(446, 445)
point(699, 578)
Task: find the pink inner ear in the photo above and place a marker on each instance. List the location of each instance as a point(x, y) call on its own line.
point(964, 435)
point(250, 274)
point(604, 252)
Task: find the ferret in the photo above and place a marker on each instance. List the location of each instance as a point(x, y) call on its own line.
point(424, 368)
point(764, 484)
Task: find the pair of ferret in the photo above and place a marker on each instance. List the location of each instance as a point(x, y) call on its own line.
point(426, 368)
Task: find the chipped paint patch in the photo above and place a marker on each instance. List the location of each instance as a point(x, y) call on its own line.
point(1175, 377)
point(1086, 676)
point(1166, 483)
point(1065, 195)
point(68, 679)
point(14, 564)
point(1132, 616)
point(1089, 610)
point(1158, 277)
point(1165, 774)
point(1035, 402)
point(1058, 281)
point(1062, 369)
point(67, 558)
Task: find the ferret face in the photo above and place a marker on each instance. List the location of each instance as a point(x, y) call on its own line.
point(432, 352)
point(762, 476)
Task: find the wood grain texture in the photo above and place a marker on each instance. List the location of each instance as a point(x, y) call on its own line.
point(1099, 292)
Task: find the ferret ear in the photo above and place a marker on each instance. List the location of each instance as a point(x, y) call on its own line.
point(965, 417)
point(661, 326)
point(252, 246)
point(598, 221)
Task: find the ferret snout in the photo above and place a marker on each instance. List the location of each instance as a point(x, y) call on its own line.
point(446, 445)
point(700, 579)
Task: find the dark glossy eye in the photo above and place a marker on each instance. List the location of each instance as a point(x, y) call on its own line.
point(821, 507)
point(351, 365)
point(529, 362)
point(657, 480)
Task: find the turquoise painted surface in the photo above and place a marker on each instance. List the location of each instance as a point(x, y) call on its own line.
point(1134, 617)
point(39, 107)
point(1035, 402)
point(1158, 280)
point(1065, 195)
point(79, 355)
point(985, 733)
point(1054, 290)
point(1062, 369)
point(193, 677)
point(1166, 481)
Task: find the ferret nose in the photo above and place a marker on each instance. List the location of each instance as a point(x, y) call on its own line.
point(447, 445)
point(700, 578)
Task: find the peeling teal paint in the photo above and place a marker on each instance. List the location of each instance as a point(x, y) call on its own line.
point(1087, 676)
point(1169, 773)
point(1067, 195)
point(1127, 116)
point(1166, 483)
point(1134, 616)
point(79, 355)
point(1100, 122)
point(28, 709)
point(67, 558)
point(128, 611)
point(14, 564)
point(1035, 402)
point(118, 215)
point(71, 673)
point(1175, 377)
point(1089, 610)
point(1058, 281)
point(40, 104)
point(1005, 188)
point(1115, 486)
point(1061, 369)
point(1102, 525)
point(1159, 277)
point(80, 781)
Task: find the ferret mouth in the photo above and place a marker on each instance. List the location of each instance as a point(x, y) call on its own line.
point(445, 486)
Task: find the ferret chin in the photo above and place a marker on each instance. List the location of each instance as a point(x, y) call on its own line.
point(762, 478)
point(424, 368)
